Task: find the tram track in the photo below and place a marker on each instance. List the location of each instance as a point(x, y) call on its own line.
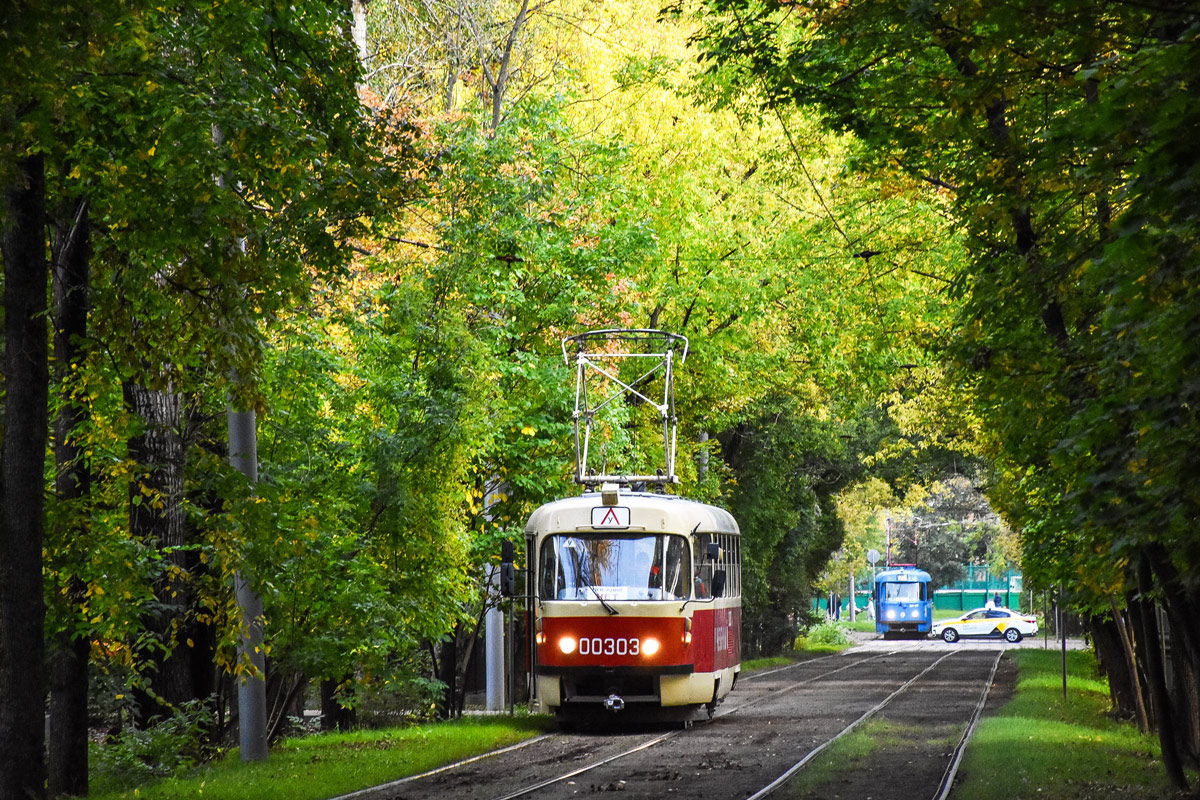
point(655, 765)
point(385, 790)
point(947, 782)
point(672, 734)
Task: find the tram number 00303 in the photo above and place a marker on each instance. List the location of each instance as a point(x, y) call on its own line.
point(609, 646)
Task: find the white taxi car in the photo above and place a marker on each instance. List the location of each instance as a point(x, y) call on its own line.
point(986, 623)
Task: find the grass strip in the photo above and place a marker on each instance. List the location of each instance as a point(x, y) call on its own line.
point(326, 765)
point(858, 750)
point(1041, 745)
point(803, 653)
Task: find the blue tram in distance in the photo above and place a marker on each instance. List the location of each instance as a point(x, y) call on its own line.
point(903, 602)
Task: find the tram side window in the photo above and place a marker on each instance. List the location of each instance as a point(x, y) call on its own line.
point(728, 562)
point(722, 564)
point(731, 563)
point(702, 583)
point(735, 567)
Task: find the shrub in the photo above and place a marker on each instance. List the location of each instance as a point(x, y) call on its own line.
point(828, 633)
point(168, 747)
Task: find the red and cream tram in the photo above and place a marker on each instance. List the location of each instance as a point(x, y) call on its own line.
point(636, 600)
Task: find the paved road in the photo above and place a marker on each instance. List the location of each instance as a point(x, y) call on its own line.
point(869, 642)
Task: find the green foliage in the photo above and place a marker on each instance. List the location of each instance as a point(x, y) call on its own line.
point(786, 470)
point(224, 158)
point(1071, 179)
point(1055, 158)
point(952, 525)
point(826, 632)
point(329, 765)
point(170, 746)
point(363, 462)
point(536, 250)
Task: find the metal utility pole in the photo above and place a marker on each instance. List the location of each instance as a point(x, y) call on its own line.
point(243, 456)
point(888, 560)
point(873, 557)
point(494, 649)
point(1062, 634)
point(853, 602)
point(252, 689)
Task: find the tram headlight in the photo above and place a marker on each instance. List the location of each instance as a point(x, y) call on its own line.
point(567, 645)
point(687, 632)
point(891, 613)
point(650, 646)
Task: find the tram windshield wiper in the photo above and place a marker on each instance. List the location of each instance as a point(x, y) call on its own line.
point(607, 606)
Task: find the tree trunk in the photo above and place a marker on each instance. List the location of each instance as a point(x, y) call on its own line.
point(504, 69)
point(466, 657)
point(1160, 700)
point(1186, 697)
point(358, 9)
point(156, 517)
point(72, 483)
point(335, 717)
point(68, 745)
point(1182, 605)
point(27, 387)
point(285, 690)
point(1129, 662)
point(446, 670)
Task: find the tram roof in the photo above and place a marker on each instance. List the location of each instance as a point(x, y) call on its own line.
point(648, 511)
point(902, 574)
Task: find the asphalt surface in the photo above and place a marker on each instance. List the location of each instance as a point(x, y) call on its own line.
point(876, 642)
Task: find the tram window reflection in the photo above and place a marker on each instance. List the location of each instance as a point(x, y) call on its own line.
point(582, 567)
point(902, 591)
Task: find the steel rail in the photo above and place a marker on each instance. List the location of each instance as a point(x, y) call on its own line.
point(802, 763)
point(590, 767)
point(383, 790)
point(672, 734)
point(372, 792)
point(952, 768)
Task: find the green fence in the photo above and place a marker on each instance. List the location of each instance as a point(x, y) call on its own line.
point(973, 591)
point(976, 586)
point(967, 599)
point(978, 576)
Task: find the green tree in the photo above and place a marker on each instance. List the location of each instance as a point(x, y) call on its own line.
point(133, 126)
point(786, 470)
point(1046, 127)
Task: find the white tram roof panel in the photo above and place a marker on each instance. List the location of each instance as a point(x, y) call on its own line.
point(906, 574)
point(647, 511)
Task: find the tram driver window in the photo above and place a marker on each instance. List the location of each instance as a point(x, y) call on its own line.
point(575, 567)
point(902, 591)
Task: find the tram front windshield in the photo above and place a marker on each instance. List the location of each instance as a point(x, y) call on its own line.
point(902, 591)
point(590, 567)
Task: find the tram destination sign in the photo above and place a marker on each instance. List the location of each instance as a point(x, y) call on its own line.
point(610, 517)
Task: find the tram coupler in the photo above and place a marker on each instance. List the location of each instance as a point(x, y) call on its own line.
point(614, 703)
